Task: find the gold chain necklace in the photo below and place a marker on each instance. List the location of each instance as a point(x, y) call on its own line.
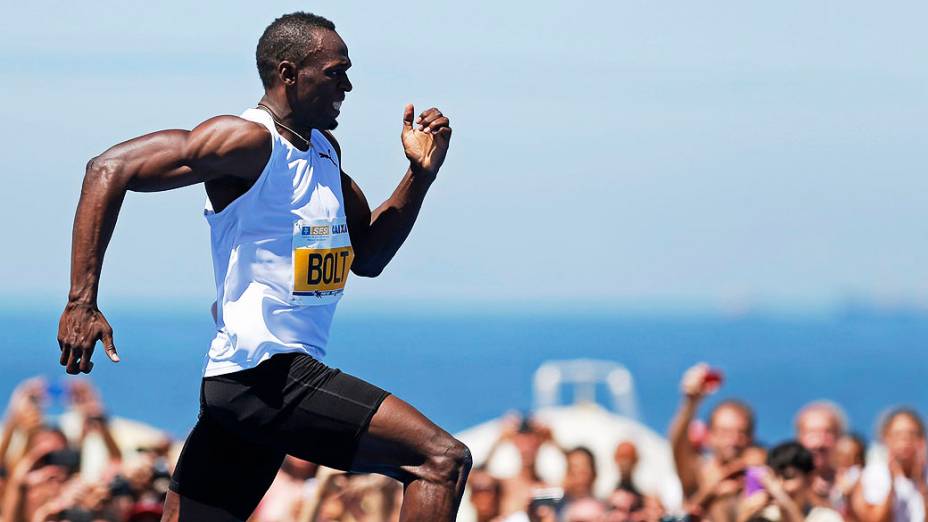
point(274, 117)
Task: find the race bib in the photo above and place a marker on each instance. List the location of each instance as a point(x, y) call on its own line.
point(322, 257)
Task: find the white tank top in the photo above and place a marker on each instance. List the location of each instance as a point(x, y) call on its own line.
point(281, 256)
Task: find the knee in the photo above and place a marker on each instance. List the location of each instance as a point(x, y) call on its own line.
point(449, 462)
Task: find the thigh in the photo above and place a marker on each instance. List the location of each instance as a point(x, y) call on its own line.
point(220, 469)
point(398, 441)
point(327, 414)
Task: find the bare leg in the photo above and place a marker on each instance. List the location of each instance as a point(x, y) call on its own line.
point(433, 465)
point(182, 509)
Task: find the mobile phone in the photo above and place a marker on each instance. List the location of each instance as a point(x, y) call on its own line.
point(752, 480)
point(712, 380)
point(76, 514)
point(67, 458)
point(57, 392)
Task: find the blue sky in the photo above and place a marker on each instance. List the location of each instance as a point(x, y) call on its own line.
point(709, 155)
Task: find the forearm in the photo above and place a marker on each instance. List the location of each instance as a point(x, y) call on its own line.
point(5, 439)
point(684, 455)
point(924, 493)
point(12, 501)
point(111, 446)
point(700, 501)
point(392, 221)
point(101, 198)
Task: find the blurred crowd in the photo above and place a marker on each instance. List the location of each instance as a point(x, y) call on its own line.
point(80, 465)
point(825, 473)
point(71, 467)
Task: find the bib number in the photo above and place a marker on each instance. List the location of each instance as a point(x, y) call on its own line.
point(322, 257)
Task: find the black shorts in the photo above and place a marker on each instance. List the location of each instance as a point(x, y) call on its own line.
point(249, 420)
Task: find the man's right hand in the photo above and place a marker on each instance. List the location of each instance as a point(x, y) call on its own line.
point(79, 329)
point(693, 383)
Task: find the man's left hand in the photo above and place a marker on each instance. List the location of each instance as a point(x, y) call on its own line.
point(426, 139)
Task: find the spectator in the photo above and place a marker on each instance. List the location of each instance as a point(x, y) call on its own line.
point(712, 483)
point(850, 453)
point(653, 510)
point(585, 510)
point(485, 495)
point(785, 493)
point(580, 474)
point(540, 512)
point(819, 425)
point(754, 456)
point(147, 509)
point(527, 435)
point(850, 459)
point(625, 504)
point(895, 489)
point(626, 460)
point(44, 481)
point(341, 497)
point(35, 483)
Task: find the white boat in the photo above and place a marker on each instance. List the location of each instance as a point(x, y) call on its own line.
point(584, 422)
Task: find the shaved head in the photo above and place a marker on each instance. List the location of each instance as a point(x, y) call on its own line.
point(292, 37)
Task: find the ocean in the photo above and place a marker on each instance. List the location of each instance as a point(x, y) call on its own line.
point(461, 368)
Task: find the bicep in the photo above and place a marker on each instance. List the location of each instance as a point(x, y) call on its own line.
point(164, 160)
point(357, 213)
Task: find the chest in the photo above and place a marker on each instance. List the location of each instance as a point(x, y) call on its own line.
point(308, 182)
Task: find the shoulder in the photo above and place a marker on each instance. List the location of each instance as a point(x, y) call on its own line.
point(232, 133)
point(331, 139)
point(229, 146)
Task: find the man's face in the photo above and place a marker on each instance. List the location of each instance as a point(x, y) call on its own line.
point(623, 506)
point(321, 82)
point(484, 495)
point(586, 510)
point(818, 431)
point(729, 434)
point(848, 453)
point(795, 483)
point(578, 481)
point(626, 457)
point(527, 444)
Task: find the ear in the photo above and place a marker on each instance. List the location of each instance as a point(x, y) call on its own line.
point(286, 73)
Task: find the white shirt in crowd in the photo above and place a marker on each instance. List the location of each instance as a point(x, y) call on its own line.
point(909, 505)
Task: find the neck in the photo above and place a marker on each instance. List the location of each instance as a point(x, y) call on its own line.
point(283, 117)
point(528, 472)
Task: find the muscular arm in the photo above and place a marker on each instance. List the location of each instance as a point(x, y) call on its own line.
point(225, 146)
point(377, 236)
point(685, 456)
